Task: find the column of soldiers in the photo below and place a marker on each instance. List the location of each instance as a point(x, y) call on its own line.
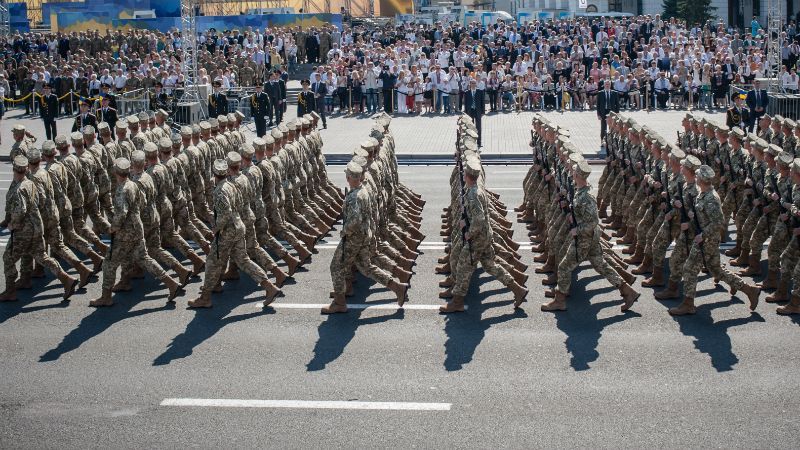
point(563, 218)
point(662, 193)
point(380, 221)
point(477, 229)
point(150, 190)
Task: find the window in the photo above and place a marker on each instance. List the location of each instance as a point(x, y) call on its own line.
point(615, 5)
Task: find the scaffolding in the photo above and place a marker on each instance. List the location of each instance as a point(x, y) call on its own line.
point(774, 43)
point(190, 100)
point(5, 19)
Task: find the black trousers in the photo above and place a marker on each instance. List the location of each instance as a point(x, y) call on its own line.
point(275, 110)
point(320, 109)
point(387, 102)
point(50, 129)
point(476, 117)
point(603, 128)
point(261, 126)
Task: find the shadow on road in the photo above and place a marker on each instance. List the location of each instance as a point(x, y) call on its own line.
point(336, 332)
point(712, 337)
point(466, 330)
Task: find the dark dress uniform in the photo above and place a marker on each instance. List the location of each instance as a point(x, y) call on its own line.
point(83, 121)
point(48, 109)
point(259, 109)
point(108, 115)
point(217, 104)
point(737, 117)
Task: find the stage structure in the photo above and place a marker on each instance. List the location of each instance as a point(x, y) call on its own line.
point(5, 19)
point(190, 107)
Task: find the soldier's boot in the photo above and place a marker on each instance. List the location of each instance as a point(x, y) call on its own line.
point(401, 274)
point(102, 247)
point(542, 258)
point(24, 282)
point(339, 305)
point(280, 276)
point(602, 212)
point(444, 232)
point(782, 294)
point(723, 235)
point(97, 262)
point(520, 208)
point(270, 291)
point(637, 257)
point(771, 281)
point(416, 234)
point(628, 295)
point(231, 274)
point(173, 287)
point(456, 304)
point(550, 293)
point(410, 243)
point(104, 299)
point(742, 260)
point(736, 250)
point(645, 267)
point(518, 265)
point(526, 217)
point(198, 263)
point(38, 270)
point(137, 273)
point(400, 291)
point(628, 277)
point(551, 280)
point(303, 254)
point(123, 285)
point(623, 229)
point(84, 274)
point(685, 308)
point(542, 247)
point(752, 292)
point(308, 240)
point(672, 291)
point(520, 293)
point(559, 302)
point(405, 263)
point(519, 277)
point(69, 283)
point(443, 259)
point(657, 280)
point(9, 295)
point(447, 282)
point(184, 275)
point(792, 308)
point(447, 293)
point(217, 288)
point(443, 269)
point(628, 237)
point(203, 301)
point(548, 267)
point(292, 263)
point(754, 266)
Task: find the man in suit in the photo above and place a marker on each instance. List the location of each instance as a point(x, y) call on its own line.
point(275, 90)
point(106, 113)
point(607, 101)
point(473, 105)
point(84, 118)
point(259, 109)
point(217, 102)
point(319, 89)
point(757, 101)
point(48, 109)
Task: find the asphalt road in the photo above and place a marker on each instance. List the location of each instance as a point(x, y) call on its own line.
point(76, 377)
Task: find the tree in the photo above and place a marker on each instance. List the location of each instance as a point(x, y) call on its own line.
point(695, 11)
point(670, 9)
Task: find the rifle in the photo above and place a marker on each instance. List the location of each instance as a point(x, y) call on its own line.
point(684, 217)
point(699, 230)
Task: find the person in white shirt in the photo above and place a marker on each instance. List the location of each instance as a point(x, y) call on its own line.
point(789, 80)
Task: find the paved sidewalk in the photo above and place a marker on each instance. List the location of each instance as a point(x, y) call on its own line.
point(504, 134)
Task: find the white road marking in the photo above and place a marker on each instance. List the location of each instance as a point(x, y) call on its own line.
point(376, 306)
point(305, 404)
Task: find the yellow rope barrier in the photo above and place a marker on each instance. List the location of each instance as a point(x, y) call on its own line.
point(40, 96)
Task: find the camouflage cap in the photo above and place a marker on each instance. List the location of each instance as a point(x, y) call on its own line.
point(315, 115)
point(360, 160)
point(34, 156)
point(269, 140)
point(142, 117)
point(121, 124)
point(220, 168)
point(784, 159)
point(359, 151)
point(291, 125)
point(176, 138)
point(276, 133)
point(165, 144)
point(231, 118)
point(132, 119)
point(259, 143)
point(691, 162)
point(137, 157)
point(48, 148)
point(737, 132)
point(704, 173)
point(284, 129)
point(122, 166)
point(76, 137)
point(789, 123)
point(223, 120)
point(774, 149)
point(471, 146)
point(18, 128)
point(238, 115)
point(61, 140)
point(576, 157)
point(103, 128)
point(375, 134)
point(20, 163)
point(162, 113)
point(233, 159)
point(354, 170)
point(305, 122)
point(186, 130)
point(214, 123)
point(204, 126)
point(150, 149)
point(583, 169)
point(247, 151)
point(151, 116)
point(88, 130)
point(472, 167)
point(778, 118)
point(369, 144)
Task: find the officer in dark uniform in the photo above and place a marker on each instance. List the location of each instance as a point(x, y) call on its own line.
point(259, 109)
point(738, 115)
point(305, 100)
point(48, 109)
point(106, 113)
point(105, 92)
point(158, 98)
point(84, 118)
point(217, 102)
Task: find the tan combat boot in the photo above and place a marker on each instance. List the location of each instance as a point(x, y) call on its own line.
point(400, 291)
point(9, 295)
point(443, 269)
point(184, 275)
point(173, 287)
point(551, 280)
point(84, 274)
point(752, 292)
point(292, 263)
point(339, 305)
point(645, 267)
point(447, 293)
point(447, 282)
point(742, 260)
point(628, 295)
point(24, 282)
point(559, 302)
point(753, 266)
point(637, 257)
point(198, 263)
point(303, 254)
point(104, 299)
point(734, 252)
point(657, 280)
point(519, 277)
point(453, 306)
point(782, 294)
point(771, 282)
point(792, 308)
point(123, 285)
point(519, 294)
point(548, 267)
point(401, 274)
point(203, 301)
point(672, 291)
point(543, 257)
point(685, 308)
point(97, 262)
point(271, 292)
